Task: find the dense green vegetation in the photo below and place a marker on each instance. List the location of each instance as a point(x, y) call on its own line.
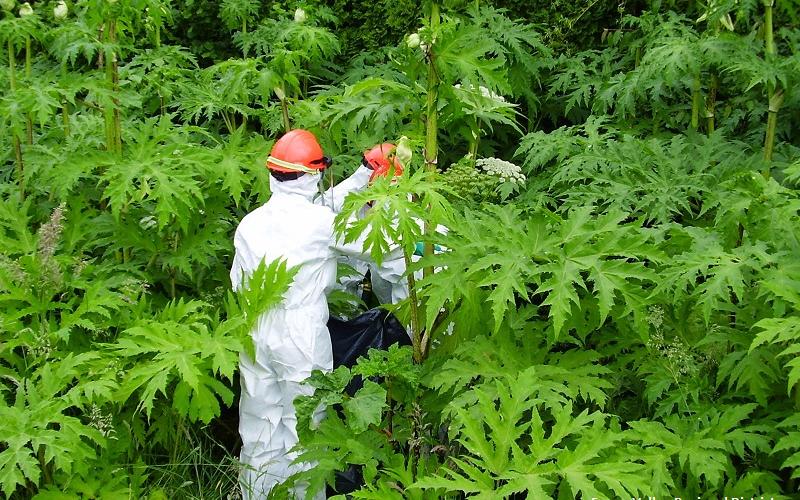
point(615, 313)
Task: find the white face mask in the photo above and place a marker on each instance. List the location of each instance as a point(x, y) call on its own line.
point(306, 186)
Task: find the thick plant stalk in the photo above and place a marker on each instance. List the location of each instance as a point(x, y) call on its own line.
point(64, 103)
point(281, 94)
point(111, 113)
point(476, 139)
point(244, 32)
point(775, 103)
point(697, 99)
point(473, 149)
point(287, 125)
point(774, 94)
point(112, 35)
point(431, 125)
point(108, 113)
point(769, 35)
point(28, 119)
point(12, 77)
point(711, 104)
point(416, 329)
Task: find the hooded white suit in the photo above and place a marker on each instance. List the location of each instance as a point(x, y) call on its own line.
point(292, 339)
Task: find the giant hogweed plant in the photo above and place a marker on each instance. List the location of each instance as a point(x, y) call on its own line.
point(701, 72)
point(625, 327)
point(438, 71)
point(597, 295)
point(673, 312)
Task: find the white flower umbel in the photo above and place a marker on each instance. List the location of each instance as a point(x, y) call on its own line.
point(504, 170)
point(413, 40)
point(7, 4)
point(485, 92)
point(300, 16)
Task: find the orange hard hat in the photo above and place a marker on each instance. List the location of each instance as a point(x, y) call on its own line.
point(297, 151)
point(378, 159)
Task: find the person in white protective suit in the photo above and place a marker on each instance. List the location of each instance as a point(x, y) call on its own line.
point(389, 282)
point(291, 339)
point(381, 160)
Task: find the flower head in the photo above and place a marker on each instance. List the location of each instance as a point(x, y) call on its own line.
point(403, 150)
point(26, 10)
point(300, 16)
point(7, 4)
point(504, 170)
point(60, 10)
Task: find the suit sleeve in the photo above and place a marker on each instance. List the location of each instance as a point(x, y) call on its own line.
point(334, 197)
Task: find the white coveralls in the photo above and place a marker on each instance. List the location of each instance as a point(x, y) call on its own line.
point(292, 339)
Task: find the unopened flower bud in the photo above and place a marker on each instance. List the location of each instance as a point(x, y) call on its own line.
point(413, 41)
point(7, 4)
point(60, 10)
point(279, 92)
point(26, 10)
point(403, 151)
point(300, 15)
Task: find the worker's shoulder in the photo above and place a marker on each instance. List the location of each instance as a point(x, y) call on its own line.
point(287, 211)
point(254, 217)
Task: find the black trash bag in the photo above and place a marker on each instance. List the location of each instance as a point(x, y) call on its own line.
point(375, 329)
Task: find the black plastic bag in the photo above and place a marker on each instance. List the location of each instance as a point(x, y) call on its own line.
point(375, 329)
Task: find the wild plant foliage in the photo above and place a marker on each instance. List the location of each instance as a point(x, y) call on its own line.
point(618, 318)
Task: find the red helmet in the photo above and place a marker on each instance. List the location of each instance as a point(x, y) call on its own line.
point(297, 151)
point(378, 159)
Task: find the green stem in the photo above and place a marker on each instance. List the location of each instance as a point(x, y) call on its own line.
point(769, 35)
point(173, 271)
point(287, 125)
point(108, 112)
point(28, 119)
point(12, 70)
point(111, 114)
point(12, 78)
point(473, 150)
point(228, 121)
point(65, 117)
point(416, 338)
point(431, 125)
point(112, 32)
point(244, 31)
point(20, 167)
point(774, 94)
point(43, 465)
point(711, 103)
point(697, 98)
point(473, 144)
point(64, 103)
point(775, 103)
